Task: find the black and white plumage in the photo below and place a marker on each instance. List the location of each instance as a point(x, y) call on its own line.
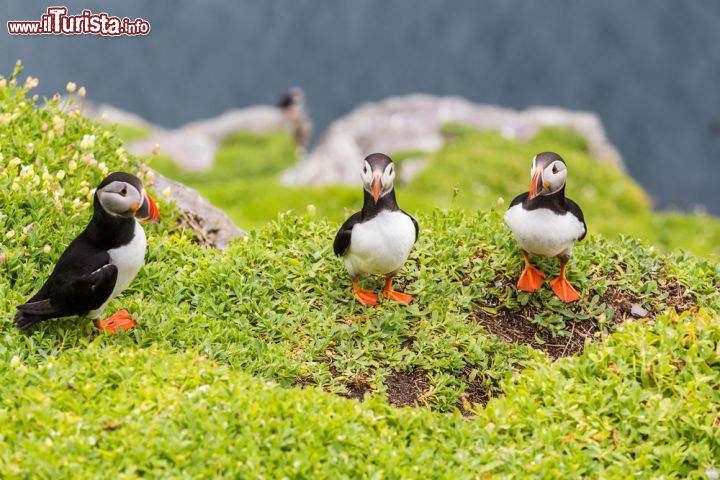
point(546, 223)
point(292, 105)
point(102, 261)
point(377, 240)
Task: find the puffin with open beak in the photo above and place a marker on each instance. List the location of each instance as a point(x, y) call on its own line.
point(546, 223)
point(377, 240)
point(101, 262)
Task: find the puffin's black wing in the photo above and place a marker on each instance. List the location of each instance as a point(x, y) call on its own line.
point(574, 208)
point(519, 199)
point(417, 228)
point(342, 239)
point(77, 285)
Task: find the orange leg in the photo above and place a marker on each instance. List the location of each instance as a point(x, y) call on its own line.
point(562, 287)
point(366, 297)
point(531, 278)
point(119, 320)
point(391, 294)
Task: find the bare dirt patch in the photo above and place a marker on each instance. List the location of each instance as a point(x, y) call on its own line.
point(474, 394)
point(407, 388)
point(356, 387)
point(518, 327)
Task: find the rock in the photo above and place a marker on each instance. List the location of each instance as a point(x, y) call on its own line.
point(191, 150)
point(256, 119)
point(410, 167)
point(110, 114)
point(414, 122)
point(194, 145)
point(638, 311)
point(212, 226)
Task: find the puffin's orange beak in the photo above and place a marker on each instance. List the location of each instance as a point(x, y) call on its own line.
point(148, 211)
point(536, 184)
point(376, 187)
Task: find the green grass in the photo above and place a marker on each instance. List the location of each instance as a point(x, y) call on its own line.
point(130, 133)
point(473, 171)
point(244, 181)
point(643, 404)
point(206, 385)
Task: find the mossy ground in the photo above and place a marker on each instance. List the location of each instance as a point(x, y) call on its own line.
point(473, 171)
point(210, 381)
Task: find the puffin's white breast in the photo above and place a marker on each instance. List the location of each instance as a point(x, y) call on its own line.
point(128, 259)
point(381, 245)
point(544, 232)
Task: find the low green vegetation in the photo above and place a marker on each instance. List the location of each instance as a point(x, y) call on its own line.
point(241, 358)
point(131, 133)
point(244, 181)
point(643, 404)
point(474, 171)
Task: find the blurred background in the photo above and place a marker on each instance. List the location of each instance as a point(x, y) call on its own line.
point(649, 70)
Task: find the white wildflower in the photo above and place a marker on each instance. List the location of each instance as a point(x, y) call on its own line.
point(88, 142)
point(26, 171)
point(31, 83)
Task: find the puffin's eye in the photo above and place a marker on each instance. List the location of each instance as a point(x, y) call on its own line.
point(555, 168)
point(123, 192)
point(391, 170)
point(365, 169)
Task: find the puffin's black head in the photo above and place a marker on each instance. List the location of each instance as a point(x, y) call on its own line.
point(548, 174)
point(295, 97)
point(377, 175)
point(122, 195)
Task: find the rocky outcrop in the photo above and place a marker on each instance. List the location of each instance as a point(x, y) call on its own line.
point(212, 226)
point(194, 145)
point(111, 114)
point(414, 122)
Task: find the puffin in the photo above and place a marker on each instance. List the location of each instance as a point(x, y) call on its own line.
point(292, 106)
point(101, 262)
point(377, 240)
point(546, 223)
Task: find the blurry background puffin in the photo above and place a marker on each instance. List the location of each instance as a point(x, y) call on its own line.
point(546, 223)
point(101, 262)
point(377, 240)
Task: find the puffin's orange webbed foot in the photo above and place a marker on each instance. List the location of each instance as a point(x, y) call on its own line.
point(398, 297)
point(562, 287)
point(531, 278)
point(391, 294)
point(564, 290)
point(366, 297)
point(119, 320)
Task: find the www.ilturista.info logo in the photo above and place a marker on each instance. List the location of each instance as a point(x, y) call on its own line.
point(56, 21)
